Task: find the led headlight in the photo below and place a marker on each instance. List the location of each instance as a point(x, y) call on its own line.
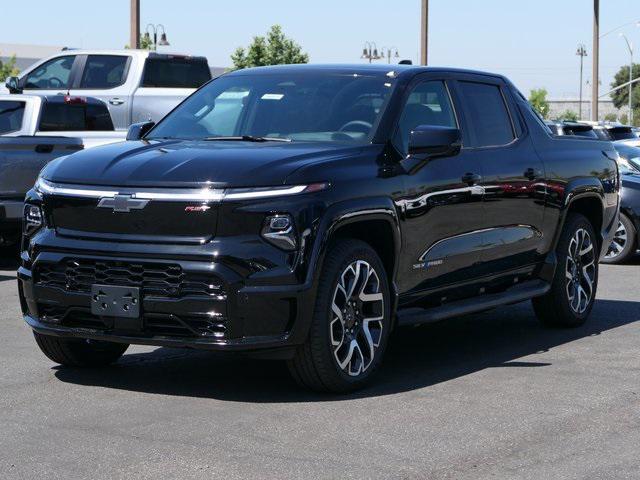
point(280, 231)
point(32, 219)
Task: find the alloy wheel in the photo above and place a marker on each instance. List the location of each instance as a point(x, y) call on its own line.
point(357, 313)
point(580, 271)
point(618, 243)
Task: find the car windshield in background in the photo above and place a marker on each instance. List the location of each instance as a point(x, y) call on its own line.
point(305, 107)
point(11, 114)
point(622, 133)
point(630, 157)
point(63, 117)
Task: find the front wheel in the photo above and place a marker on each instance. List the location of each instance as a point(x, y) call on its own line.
point(350, 324)
point(573, 289)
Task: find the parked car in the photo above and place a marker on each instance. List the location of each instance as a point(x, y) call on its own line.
point(137, 85)
point(303, 212)
point(571, 128)
point(35, 130)
point(625, 242)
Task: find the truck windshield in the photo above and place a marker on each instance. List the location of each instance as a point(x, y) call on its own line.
point(314, 106)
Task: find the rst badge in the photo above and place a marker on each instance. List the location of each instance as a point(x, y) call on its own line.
point(196, 208)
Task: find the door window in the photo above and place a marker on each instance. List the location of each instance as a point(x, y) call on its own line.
point(104, 71)
point(52, 75)
point(489, 121)
point(428, 104)
point(11, 114)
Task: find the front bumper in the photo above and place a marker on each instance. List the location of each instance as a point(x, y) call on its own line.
point(186, 302)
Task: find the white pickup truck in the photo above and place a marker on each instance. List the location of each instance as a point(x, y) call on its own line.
point(137, 85)
point(35, 130)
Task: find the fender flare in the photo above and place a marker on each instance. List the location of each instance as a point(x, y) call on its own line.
point(579, 189)
point(349, 212)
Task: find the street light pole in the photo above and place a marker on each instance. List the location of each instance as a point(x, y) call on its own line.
point(370, 52)
point(595, 61)
point(582, 52)
point(424, 33)
point(134, 27)
point(630, 47)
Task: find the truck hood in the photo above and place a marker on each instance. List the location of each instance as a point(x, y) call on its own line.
point(192, 163)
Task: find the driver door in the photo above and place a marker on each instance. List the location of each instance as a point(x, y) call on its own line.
point(443, 211)
point(52, 77)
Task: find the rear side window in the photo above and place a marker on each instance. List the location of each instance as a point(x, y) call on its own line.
point(104, 71)
point(63, 117)
point(489, 120)
point(11, 114)
point(169, 72)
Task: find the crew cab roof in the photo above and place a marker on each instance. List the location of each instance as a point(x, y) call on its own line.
point(359, 69)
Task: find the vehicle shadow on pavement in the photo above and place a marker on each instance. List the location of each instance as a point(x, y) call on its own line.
point(416, 358)
point(9, 260)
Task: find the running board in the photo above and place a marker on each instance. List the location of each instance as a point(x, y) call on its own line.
point(519, 293)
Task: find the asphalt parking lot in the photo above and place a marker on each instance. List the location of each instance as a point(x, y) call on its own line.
point(487, 396)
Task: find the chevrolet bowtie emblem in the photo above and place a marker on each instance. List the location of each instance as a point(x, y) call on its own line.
point(123, 203)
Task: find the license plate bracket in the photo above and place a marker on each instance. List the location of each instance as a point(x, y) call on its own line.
point(122, 304)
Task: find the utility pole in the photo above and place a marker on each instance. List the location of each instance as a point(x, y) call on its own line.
point(134, 28)
point(582, 52)
point(424, 32)
point(595, 61)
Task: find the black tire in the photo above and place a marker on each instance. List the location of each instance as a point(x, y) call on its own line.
point(72, 352)
point(315, 364)
point(557, 307)
point(626, 233)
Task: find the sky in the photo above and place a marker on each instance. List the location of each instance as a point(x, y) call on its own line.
point(532, 42)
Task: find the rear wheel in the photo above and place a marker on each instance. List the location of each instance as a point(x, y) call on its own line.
point(74, 352)
point(351, 321)
point(574, 285)
point(623, 245)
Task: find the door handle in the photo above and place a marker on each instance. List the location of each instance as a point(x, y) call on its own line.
point(471, 178)
point(44, 148)
point(116, 101)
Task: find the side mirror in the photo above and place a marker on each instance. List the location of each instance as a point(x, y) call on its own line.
point(13, 85)
point(434, 141)
point(138, 130)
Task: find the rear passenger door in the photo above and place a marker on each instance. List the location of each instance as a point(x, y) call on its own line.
point(104, 77)
point(512, 174)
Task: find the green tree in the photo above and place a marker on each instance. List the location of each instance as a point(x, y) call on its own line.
point(275, 49)
point(145, 43)
point(8, 68)
point(621, 97)
point(569, 115)
point(538, 100)
point(610, 117)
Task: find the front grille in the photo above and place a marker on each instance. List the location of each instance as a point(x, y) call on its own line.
point(154, 324)
point(154, 279)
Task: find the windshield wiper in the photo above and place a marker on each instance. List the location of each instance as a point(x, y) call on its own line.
point(246, 138)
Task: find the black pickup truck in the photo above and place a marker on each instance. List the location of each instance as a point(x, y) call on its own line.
point(304, 212)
